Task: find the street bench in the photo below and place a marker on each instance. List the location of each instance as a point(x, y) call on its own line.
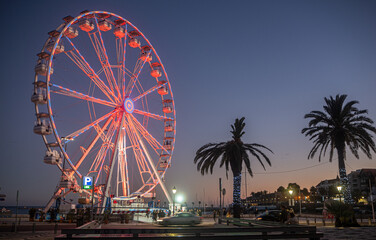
point(295, 232)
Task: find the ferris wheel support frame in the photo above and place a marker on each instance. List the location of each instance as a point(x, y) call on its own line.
point(109, 176)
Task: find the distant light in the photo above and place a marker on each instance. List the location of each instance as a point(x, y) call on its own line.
point(179, 198)
point(339, 188)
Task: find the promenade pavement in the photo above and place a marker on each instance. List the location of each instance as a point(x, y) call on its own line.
point(330, 232)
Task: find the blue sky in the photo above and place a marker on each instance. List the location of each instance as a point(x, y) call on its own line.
point(269, 61)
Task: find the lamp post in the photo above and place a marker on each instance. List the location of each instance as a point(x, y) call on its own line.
point(290, 191)
point(339, 188)
point(300, 203)
point(173, 201)
point(92, 199)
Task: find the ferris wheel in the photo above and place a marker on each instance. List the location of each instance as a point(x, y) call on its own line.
point(104, 108)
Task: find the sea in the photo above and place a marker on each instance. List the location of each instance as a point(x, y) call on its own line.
point(21, 209)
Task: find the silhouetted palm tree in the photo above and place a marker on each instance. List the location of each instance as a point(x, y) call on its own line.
point(232, 153)
point(340, 125)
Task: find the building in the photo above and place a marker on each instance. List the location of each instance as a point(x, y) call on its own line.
point(360, 181)
point(328, 187)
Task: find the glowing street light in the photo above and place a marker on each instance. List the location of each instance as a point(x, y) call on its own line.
point(339, 188)
point(179, 198)
point(173, 202)
point(291, 191)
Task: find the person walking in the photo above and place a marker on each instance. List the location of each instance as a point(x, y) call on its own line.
point(284, 214)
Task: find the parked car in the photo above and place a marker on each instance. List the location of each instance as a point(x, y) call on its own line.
point(181, 219)
point(258, 209)
point(273, 215)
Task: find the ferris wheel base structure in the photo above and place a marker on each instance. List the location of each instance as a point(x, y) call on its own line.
point(105, 109)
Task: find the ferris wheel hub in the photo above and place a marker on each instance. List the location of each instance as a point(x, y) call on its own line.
point(128, 105)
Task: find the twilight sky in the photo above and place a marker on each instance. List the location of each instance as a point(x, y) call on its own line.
point(269, 61)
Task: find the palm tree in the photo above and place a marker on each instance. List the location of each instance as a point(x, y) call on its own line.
point(233, 154)
point(340, 125)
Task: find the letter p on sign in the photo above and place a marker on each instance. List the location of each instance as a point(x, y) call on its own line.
point(87, 182)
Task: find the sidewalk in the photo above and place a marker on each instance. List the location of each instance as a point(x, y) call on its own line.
point(332, 233)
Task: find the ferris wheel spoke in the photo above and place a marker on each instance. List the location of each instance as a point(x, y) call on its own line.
point(100, 132)
point(101, 52)
point(77, 133)
point(140, 159)
point(149, 138)
point(72, 93)
point(124, 58)
point(80, 61)
point(148, 157)
point(148, 91)
point(137, 70)
point(98, 163)
point(152, 115)
point(121, 50)
point(142, 163)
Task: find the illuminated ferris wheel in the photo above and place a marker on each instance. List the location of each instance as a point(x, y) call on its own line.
point(104, 108)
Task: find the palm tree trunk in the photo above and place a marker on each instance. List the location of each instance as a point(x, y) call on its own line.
point(343, 179)
point(236, 194)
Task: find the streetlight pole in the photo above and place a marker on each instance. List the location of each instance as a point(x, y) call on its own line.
point(300, 203)
point(220, 199)
point(290, 191)
point(173, 201)
point(92, 198)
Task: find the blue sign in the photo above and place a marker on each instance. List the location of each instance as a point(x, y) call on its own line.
point(87, 182)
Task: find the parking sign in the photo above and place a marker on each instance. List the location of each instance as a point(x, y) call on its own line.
point(87, 182)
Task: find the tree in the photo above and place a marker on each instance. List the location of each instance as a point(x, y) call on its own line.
point(313, 191)
point(305, 192)
point(232, 154)
point(282, 191)
point(340, 125)
point(344, 214)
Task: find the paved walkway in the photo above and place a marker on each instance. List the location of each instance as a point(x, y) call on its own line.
point(330, 233)
point(362, 233)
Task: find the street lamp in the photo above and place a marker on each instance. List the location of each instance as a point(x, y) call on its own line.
point(290, 191)
point(339, 188)
point(173, 201)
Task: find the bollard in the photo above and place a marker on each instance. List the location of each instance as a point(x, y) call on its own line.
point(307, 221)
point(33, 228)
point(323, 222)
point(369, 221)
point(315, 220)
point(55, 229)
